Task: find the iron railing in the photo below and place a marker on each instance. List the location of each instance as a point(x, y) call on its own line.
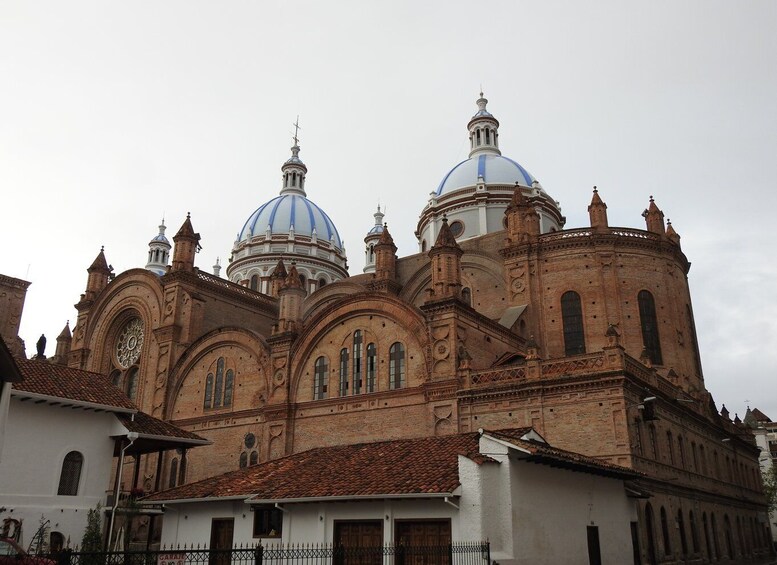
point(459, 553)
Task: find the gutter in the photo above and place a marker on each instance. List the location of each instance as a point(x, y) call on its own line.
point(178, 439)
point(67, 402)
point(443, 495)
point(190, 500)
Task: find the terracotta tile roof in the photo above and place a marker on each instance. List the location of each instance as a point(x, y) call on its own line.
point(544, 453)
point(400, 467)
point(41, 377)
point(147, 425)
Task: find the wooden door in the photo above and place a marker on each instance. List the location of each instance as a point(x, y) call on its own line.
point(358, 543)
point(221, 530)
point(423, 542)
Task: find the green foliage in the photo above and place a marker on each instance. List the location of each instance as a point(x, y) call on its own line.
point(770, 488)
point(93, 537)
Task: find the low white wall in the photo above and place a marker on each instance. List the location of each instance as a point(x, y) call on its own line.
point(190, 523)
point(37, 438)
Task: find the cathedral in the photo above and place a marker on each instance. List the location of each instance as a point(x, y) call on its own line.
point(504, 318)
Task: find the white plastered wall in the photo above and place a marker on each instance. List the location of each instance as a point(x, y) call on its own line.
point(38, 436)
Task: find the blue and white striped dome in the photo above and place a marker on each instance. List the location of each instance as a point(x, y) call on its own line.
point(494, 169)
point(287, 210)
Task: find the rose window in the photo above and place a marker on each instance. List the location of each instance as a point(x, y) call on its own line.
point(130, 342)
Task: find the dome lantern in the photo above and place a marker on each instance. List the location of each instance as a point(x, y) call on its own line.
point(483, 131)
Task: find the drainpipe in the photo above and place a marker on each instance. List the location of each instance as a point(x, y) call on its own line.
point(131, 436)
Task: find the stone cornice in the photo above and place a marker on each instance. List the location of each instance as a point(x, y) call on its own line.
point(587, 237)
point(227, 289)
point(14, 282)
point(462, 311)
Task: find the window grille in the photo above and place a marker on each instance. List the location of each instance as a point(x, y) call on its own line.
point(344, 371)
point(371, 360)
point(396, 366)
point(321, 375)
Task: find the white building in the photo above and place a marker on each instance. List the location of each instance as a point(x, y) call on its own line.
point(60, 429)
point(535, 504)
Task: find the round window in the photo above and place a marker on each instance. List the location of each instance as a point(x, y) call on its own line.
point(457, 228)
point(250, 440)
point(130, 343)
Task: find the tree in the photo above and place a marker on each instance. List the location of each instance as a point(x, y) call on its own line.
point(93, 537)
point(770, 488)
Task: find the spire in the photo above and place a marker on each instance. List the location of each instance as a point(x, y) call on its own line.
point(292, 278)
point(483, 131)
point(446, 265)
point(217, 268)
point(385, 257)
point(445, 237)
point(99, 275)
point(371, 240)
point(64, 339)
point(522, 219)
point(654, 218)
point(187, 243)
point(277, 278)
point(673, 236)
point(159, 251)
point(597, 212)
point(294, 170)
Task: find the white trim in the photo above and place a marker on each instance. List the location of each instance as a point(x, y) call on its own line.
point(67, 402)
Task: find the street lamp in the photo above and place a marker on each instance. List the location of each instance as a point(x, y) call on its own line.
point(131, 436)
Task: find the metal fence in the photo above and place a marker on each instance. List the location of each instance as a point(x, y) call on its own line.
point(460, 553)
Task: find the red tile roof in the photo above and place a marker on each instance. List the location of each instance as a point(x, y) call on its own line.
point(425, 466)
point(41, 377)
point(544, 453)
point(146, 425)
point(400, 467)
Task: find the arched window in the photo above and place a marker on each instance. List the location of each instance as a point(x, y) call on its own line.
point(715, 540)
point(695, 457)
point(650, 531)
point(208, 391)
point(681, 528)
point(218, 390)
point(665, 532)
point(466, 296)
point(681, 451)
point(253, 458)
point(372, 253)
point(173, 473)
point(702, 460)
point(670, 447)
point(649, 323)
point(71, 474)
point(116, 377)
point(727, 534)
point(131, 386)
point(344, 371)
point(371, 361)
point(304, 282)
point(321, 282)
point(56, 542)
point(694, 532)
point(357, 362)
point(320, 378)
point(243, 460)
point(423, 246)
point(705, 529)
point(396, 366)
point(228, 386)
point(254, 282)
point(478, 136)
point(572, 320)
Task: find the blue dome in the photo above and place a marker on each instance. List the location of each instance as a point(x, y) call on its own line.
point(495, 169)
point(288, 210)
point(161, 238)
point(375, 229)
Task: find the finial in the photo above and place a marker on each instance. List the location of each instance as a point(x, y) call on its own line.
point(296, 131)
point(102, 248)
point(651, 198)
point(188, 215)
point(445, 218)
point(595, 189)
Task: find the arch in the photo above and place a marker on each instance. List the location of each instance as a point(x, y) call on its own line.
point(70, 475)
point(649, 324)
point(254, 282)
point(681, 530)
point(253, 458)
point(243, 462)
point(358, 366)
point(371, 367)
point(705, 530)
point(728, 537)
point(694, 532)
point(572, 321)
point(331, 317)
point(343, 372)
point(223, 338)
point(56, 542)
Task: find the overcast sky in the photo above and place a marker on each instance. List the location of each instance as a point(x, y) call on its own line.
point(113, 114)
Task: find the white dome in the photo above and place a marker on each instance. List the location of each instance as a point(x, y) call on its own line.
point(287, 210)
point(493, 169)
